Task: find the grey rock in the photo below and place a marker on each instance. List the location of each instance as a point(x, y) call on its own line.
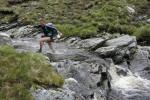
point(130, 10)
point(80, 89)
point(95, 68)
point(5, 27)
point(25, 44)
point(124, 65)
point(91, 43)
point(148, 20)
point(107, 51)
point(140, 64)
point(121, 41)
point(25, 31)
point(121, 71)
point(141, 17)
point(118, 48)
point(88, 75)
point(59, 94)
point(73, 40)
point(145, 48)
point(4, 39)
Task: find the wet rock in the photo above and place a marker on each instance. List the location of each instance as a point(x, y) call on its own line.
point(73, 40)
point(107, 51)
point(54, 57)
point(25, 31)
point(59, 94)
point(145, 48)
point(78, 71)
point(121, 41)
point(4, 39)
point(5, 27)
point(80, 89)
point(71, 90)
point(140, 64)
point(118, 48)
point(117, 54)
point(25, 44)
point(121, 71)
point(95, 68)
point(92, 43)
point(86, 78)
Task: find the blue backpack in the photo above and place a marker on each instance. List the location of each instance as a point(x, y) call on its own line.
point(54, 30)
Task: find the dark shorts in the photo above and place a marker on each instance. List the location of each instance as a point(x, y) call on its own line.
point(51, 37)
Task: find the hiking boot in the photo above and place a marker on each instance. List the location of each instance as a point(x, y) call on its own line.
point(39, 51)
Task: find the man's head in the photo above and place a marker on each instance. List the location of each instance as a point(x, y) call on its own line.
point(42, 21)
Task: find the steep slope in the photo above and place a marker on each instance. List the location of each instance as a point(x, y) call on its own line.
point(84, 18)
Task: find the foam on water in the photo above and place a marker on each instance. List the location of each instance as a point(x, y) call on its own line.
point(130, 82)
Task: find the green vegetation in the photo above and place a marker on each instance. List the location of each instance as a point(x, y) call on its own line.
point(84, 18)
point(21, 71)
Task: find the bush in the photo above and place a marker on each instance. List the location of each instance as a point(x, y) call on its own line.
point(143, 32)
point(21, 71)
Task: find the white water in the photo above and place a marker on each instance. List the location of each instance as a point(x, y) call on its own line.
point(129, 82)
point(132, 83)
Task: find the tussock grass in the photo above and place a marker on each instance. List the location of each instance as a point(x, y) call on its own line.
point(84, 18)
point(21, 71)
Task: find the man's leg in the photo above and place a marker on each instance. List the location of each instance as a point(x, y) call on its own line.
point(50, 45)
point(41, 45)
point(42, 40)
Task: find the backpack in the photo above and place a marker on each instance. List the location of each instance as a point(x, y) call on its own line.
point(51, 25)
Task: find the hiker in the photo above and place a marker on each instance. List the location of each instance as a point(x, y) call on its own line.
point(49, 32)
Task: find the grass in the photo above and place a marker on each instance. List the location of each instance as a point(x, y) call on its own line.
point(21, 71)
point(84, 18)
point(142, 32)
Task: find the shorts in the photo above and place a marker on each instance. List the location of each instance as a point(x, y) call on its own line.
point(51, 37)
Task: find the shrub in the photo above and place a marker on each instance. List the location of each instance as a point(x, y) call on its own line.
point(142, 32)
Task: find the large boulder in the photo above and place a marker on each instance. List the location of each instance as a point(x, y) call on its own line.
point(122, 41)
point(118, 48)
point(4, 39)
point(91, 43)
point(78, 88)
point(89, 75)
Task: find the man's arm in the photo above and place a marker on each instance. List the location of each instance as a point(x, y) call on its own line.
point(61, 34)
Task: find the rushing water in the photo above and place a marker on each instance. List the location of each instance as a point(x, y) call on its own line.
point(130, 87)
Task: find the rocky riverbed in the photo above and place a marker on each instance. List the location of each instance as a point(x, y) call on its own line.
point(100, 68)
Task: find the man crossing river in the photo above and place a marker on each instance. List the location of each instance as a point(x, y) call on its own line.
point(49, 31)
